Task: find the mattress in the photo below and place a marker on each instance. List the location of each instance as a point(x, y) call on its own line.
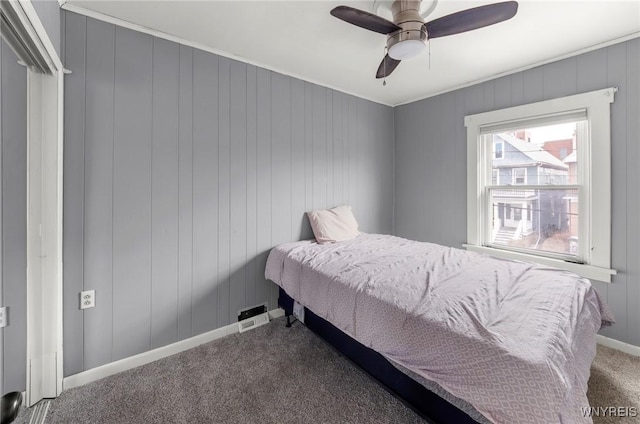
point(513, 339)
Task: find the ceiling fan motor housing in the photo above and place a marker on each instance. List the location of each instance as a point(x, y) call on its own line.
point(412, 39)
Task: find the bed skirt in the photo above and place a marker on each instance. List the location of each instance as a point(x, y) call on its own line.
point(424, 402)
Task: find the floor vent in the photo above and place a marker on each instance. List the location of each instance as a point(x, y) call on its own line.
point(39, 412)
point(253, 322)
point(246, 313)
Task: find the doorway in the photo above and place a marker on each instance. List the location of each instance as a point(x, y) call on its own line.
point(41, 241)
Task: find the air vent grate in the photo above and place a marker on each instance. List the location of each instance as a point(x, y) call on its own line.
point(253, 322)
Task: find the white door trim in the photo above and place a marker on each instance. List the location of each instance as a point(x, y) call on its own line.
point(44, 209)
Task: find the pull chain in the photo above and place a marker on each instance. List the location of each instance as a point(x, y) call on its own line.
point(429, 43)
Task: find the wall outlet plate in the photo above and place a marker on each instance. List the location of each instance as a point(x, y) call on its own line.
point(87, 299)
point(4, 318)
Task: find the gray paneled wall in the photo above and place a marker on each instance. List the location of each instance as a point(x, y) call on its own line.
point(430, 150)
point(13, 218)
point(182, 169)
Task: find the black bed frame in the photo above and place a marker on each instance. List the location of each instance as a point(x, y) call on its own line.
point(427, 404)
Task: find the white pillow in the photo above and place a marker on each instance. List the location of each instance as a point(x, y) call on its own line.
point(332, 225)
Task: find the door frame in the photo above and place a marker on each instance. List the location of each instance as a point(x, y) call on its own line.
point(45, 90)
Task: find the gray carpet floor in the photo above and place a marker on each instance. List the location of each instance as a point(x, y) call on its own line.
point(615, 381)
point(274, 375)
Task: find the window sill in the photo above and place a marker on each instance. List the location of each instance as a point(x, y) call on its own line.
point(587, 271)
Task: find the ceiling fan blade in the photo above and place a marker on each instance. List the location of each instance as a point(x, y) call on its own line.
point(387, 66)
point(364, 19)
point(470, 19)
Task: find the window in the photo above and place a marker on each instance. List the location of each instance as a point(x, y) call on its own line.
point(517, 213)
point(519, 175)
point(498, 147)
point(567, 201)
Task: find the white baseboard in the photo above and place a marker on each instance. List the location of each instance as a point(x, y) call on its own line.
point(125, 364)
point(618, 345)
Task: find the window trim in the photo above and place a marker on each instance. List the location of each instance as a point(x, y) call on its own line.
point(596, 105)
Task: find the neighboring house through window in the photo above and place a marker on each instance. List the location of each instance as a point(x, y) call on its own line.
point(498, 147)
point(519, 175)
point(527, 201)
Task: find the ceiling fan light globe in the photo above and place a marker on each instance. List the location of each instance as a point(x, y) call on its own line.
point(407, 49)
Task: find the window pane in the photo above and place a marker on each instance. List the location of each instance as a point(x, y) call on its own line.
point(544, 220)
point(536, 156)
point(497, 149)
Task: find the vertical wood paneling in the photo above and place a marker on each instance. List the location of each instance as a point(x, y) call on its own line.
point(559, 78)
point(337, 142)
point(408, 120)
point(633, 191)
point(354, 155)
point(517, 89)
point(329, 141)
point(224, 182)
point(611, 70)
point(345, 148)
point(238, 189)
point(253, 271)
point(366, 142)
point(591, 70)
point(73, 187)
point(489, 94)
point(459, 211)
point(13, 169)
point(450, 200)
point(185, 193)
point(205, 192)
point(281, 158)
point(132, 193)
point(502, 92)
point(297, 159)
point(319, 148)
point(308, 146)
point(429, 155)
point(473, 99)
point(533, 85)
point(264, 186)
point(165, 186)
point(98, 201)
point(196, 166)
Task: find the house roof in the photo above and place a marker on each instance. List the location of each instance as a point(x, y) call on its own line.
point(573, 157)
point(534, 152)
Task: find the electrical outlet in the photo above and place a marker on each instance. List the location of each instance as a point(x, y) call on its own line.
point(4, 319)
point(87, 299)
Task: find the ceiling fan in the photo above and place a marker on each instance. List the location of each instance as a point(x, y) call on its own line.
point(407, 35)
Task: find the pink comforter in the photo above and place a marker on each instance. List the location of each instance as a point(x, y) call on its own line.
point(514, 340)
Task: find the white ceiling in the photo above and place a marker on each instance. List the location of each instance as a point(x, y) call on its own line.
point(301, 39)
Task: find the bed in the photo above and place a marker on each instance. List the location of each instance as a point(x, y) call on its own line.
point(504, 341)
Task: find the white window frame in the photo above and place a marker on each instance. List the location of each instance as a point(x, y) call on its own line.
point(595, 160)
